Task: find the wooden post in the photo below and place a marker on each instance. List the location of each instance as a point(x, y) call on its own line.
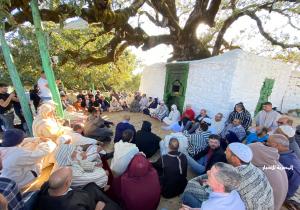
point(46, 61)
point(13, 73)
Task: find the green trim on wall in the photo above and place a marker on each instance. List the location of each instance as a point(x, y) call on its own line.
point(265, 92)
point(176, 76)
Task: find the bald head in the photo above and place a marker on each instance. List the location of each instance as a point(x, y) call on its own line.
point(285, 120)
point(60, 178)
point(278, 141)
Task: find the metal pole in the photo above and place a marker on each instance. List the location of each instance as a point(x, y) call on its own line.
point(46, 62)
point(16, 80)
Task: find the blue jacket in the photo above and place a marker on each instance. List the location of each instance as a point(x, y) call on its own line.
point(292, 167)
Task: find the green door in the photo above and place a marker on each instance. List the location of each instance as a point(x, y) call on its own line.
point(176, 82)
point(265, 92)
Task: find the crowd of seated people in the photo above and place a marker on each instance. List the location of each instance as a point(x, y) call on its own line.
point(237, 164)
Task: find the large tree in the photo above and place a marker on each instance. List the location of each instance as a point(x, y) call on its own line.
point(179, 19)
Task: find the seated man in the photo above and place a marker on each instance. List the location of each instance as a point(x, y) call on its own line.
point(192, 126)
point(267, 117)
point(115, 106)
point(143, 102)
point(172, 170)
point(198, 141)
point(122, 126)
point(291, 163)
point(96, 127)
point(22, 158)
point(124, 151)
point(258, 135)
point(160, 112)
point(223, 179)
point(254, 188)
point(138, 188)
point(57, 194)
point(233, 132)
point(146, 141)
point(203, 161)
point(218, 123)
point(267, 159)
point(104, 104)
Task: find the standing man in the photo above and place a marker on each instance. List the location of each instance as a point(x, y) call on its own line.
point(44, 93)
point(267, 117)
point(6, 106)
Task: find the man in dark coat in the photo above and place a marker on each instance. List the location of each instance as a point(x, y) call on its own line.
point(57, 194)
point(172, 169)
point(122, 126)
point(212, 154)
point(146, 141)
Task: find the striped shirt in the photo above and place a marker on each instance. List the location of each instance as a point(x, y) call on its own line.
point(9, 189)
point(255, 189)
point(244, 117)
point(197, 142)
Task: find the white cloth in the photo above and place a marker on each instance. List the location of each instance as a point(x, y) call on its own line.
point(143, 103)
point(183, 143)
point(217, 126)
point(124, 152)
point(44, 90)
point(19, 161)
point(174, 116)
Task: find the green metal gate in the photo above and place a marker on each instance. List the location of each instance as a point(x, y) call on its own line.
point(265, 92)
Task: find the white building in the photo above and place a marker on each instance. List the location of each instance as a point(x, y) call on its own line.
point(219, 82)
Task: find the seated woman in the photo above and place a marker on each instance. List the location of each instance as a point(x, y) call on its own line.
point(160, 112)
point(135, 106)
point(84, 171)
point(174, 116)
point(152, 106)
point(96, 127)
point(146, 141)
point(115, 106)
point(257, 135)
point(22, 158)
point(138, 188)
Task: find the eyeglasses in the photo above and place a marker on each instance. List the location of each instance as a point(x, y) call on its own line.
point(280, 123)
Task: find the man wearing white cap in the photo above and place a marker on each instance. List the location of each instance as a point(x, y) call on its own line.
point(254, 189)
point(285, 128)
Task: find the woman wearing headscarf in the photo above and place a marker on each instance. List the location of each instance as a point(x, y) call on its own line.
point(138, 188)
point(174, 116)
point(242, 114)
point(96, 127)
point(160, 112)
point(146, 141)
point(84, 171)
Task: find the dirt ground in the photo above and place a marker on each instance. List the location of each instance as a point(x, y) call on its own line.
point(136, 120)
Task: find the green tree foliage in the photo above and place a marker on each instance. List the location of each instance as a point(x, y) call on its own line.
point(81, 43)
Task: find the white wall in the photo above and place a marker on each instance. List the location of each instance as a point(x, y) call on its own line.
point(209, 84)
point(249, 75)
point(153, 80)
point(291, 99)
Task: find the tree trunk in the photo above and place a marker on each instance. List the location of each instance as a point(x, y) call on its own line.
point(188, 47)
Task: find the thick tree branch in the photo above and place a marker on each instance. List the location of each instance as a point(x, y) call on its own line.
point(154, 41)
point(268, 36)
